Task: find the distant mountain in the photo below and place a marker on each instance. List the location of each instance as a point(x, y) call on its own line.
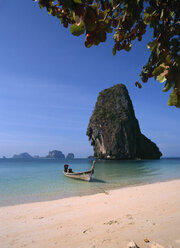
point(55, 154)
point(23, 155)
point(36, 156)
point(70, 156)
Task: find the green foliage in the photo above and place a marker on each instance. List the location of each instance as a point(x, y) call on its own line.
point(173, 99)
point(167, 86)
point(77, 29)
point(106, 107)
point(128, 21)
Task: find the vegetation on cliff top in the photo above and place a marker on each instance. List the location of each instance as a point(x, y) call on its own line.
point(107, 107)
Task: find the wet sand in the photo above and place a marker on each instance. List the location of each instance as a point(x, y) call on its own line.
point(106, 220)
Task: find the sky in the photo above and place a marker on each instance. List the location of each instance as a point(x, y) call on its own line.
point(49, 83)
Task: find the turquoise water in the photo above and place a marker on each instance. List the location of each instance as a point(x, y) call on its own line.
point(39, 180)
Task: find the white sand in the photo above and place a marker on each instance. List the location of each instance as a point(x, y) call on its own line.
point(101, 220)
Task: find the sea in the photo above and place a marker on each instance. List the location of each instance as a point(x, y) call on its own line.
point(25, 181)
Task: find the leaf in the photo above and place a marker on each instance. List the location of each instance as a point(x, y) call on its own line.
point(101, 16)
point(161, 78)
point(158, 70)
point(109, 30)
point(67, 3)
point(172, 13)
point(116, 37)
point(96, 42)
point(138, 84)
point(77, 1)
point(101, 35)
point(128, 47)
point(77, 29)
point(114, 51)
point(88, 45)
point(167, 86)
point(173, 99)
point(146, 240)
point(152, 45)
point(90, 19)
point(50, 11)
point(168, 59)
point(147, 18)
point(162, 14)
point(77, 19)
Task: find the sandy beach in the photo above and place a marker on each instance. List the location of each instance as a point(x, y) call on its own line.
point(107, 220)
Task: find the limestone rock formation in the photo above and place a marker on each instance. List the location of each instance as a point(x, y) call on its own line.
point(56, 155)
point(70, 156)
point(114, 130)
point(23, 155)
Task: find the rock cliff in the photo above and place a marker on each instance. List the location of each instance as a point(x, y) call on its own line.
point(114, 130)
point(70, 156)
point(56, 155)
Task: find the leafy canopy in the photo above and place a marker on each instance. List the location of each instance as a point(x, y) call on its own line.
point(128, 20)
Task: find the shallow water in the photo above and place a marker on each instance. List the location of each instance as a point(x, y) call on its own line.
point(23, 181)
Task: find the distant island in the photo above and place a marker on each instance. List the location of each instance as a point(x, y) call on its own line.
point(55, 154)
point(23, 155)
point(70, 156)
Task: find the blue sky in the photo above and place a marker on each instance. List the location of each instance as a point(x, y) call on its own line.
point(49, 83)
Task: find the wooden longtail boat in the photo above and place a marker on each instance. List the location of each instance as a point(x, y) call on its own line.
point(84, 175)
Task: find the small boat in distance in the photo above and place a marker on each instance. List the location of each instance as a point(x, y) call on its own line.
point(84, 175)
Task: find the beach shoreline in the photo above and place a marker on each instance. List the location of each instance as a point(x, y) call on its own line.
point(110, 219)
point(101, 190)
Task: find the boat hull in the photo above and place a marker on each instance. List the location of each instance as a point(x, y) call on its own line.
point(85, 176)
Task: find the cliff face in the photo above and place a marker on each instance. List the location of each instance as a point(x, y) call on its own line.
point(114, 130)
